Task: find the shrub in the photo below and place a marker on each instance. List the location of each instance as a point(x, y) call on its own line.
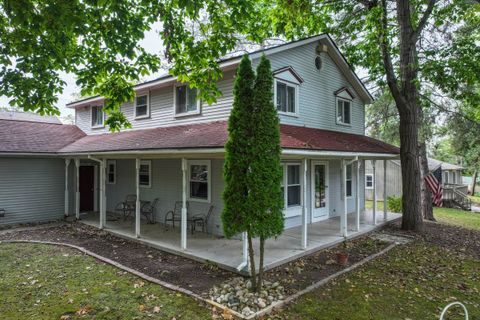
point(395, 204)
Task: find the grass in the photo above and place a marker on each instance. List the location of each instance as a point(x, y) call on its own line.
point(49, 282)
point(411, 282)
point(475, 198)
point(452, 216)
point(457, 217)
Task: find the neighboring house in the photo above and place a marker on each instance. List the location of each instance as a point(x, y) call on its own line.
point(175, 149)
point(451, 178)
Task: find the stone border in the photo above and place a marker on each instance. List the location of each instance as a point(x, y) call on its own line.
point(197, 297)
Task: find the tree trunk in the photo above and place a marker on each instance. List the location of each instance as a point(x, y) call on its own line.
point(411, 200)
point(260, 266)
point(251, 254)
point(427, 208)
point(474, 182)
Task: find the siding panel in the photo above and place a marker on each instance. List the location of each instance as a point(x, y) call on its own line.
point(31, 190)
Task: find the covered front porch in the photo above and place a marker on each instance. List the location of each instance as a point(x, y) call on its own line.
point(227, 253)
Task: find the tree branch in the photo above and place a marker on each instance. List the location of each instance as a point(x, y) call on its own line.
point(423, 21)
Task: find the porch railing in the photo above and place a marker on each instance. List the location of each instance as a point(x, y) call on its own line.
point(456, 195)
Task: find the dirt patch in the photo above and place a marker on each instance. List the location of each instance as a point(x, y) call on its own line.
point(195, 276)
point(192, 275)
point(445, 236)
point(301, 273)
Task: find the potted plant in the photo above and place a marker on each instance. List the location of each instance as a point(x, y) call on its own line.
point(342, 255)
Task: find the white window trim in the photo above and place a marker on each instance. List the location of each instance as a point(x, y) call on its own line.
point(149, 163)
point(114, 162)
point(351, 180)
point(98, 126)
point(207, 163)
point(295, 210)
point(147, 115)
point(291, 84)
point(366, 186)
point(189, 113)
point(341, 123)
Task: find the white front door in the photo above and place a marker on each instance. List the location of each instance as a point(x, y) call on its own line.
point(319, 189)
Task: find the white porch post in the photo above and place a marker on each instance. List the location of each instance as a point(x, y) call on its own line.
point(245, 250)
point(357, 198)
point(343, 217)
point(103, 206)
point(137, 203)
point(67, 163)
point(77, 189)
point(385, 189)
point(374, 162)
point(184, 205)
point(305, 210)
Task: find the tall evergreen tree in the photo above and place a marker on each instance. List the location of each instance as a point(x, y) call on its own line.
point(238, 151)
point(264, 178)
point(252, 172)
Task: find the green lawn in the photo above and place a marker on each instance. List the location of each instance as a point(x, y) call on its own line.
point(475, 198)
point(411, 282)
point(48, 282)
point(457, 217)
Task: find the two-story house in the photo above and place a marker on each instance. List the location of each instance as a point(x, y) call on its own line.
point(174, 153)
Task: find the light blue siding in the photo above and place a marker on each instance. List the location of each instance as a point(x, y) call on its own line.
point(317, 103)
point(31, 190)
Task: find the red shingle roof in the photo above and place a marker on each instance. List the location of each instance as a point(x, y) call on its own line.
point(17, 136)
point(214, 135)
point(36, 137)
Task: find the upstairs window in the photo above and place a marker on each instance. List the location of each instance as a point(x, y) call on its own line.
point(97, 117)
point(286, 97)
point(186, 100)
point(142, 106)
point(343, 111)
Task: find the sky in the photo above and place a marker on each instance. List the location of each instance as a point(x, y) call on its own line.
point(151, 43)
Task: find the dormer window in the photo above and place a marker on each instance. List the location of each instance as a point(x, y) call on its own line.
point(97, 116)
point(185, 100)
point(286, 85)
point(343, 102)
point(142, 106)
point(343, 111)
point(286, 97)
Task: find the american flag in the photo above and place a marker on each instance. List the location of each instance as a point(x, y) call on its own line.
point(434, 182)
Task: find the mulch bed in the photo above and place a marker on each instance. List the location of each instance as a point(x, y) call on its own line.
point(189, 274)
point(301, 273)
point(446, 236)
point(195, 276)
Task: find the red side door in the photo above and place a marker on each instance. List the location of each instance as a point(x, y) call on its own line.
point(86, 188)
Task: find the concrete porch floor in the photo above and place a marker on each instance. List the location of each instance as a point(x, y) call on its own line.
point(227, 253)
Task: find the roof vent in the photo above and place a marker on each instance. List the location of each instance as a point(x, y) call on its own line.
point(318, 62)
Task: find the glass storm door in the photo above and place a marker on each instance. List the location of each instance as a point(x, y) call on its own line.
point(319, 190)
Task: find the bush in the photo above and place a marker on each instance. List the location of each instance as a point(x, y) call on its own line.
point(395, 204)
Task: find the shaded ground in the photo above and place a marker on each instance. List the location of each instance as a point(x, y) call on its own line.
point(413, 281)
point(192, 275)
point(49, 282)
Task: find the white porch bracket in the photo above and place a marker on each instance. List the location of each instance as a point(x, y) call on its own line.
point(305, 207)
point(357, 198)
point(244, 264)
point(374, 207)
point(137, 203)
point(77, 189)
point(385, 162)
point(184, 205)
point(67, 163)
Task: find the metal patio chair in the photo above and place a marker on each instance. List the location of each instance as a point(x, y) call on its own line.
point(148, 210)
point(175, 214)
point(127, 208)
point(202, 219)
